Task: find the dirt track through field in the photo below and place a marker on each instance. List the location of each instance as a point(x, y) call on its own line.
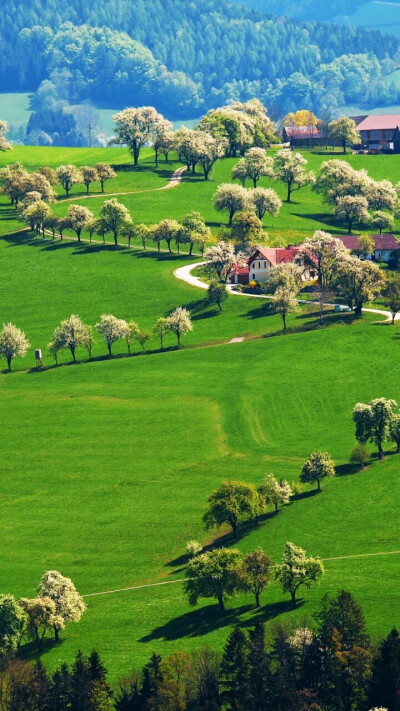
point(185, 274)
point(183, 580)
point(175, 179)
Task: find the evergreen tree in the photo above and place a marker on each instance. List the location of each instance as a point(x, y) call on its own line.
point(152, 677)
point(40, 687)
point(260, 672)
point(60, 692)
point(345, 615)
point(235, 673)
point(81, 684)
point(385, 683)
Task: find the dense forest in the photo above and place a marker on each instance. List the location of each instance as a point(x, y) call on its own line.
point(186, 57)
point(306, 9)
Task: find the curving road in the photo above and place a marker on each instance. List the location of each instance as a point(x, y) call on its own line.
point(175, 179)
point(185, 274)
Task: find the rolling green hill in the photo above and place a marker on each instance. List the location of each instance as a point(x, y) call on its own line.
point(107, 465)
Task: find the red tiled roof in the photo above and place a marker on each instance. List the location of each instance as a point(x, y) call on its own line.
point(302, 131)
point(275, 255)
point(240, 270)
point(286, 254)
point(371, 123)
point(382, 242)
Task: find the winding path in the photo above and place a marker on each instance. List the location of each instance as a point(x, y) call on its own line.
point(175, 179)
point(185, 274)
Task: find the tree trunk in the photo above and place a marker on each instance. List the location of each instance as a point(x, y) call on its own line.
point(87, 189)
point(102, 186)
point(289, 193)
point(254, 183)
point(72, 349)
point(398, 448)
point(78, 233)
point(234, 528)
point(191, 249)
point(257, 596)
point(284, 321)
point(56, 633)
point(380, 451)
point(221, 603)
point(178, 335)
point(136, 152)
point(318, 485)
point(109, 346)
point(293, 596)
point(9, 362)
point(276, 506)
point(231, 214)
point(116, 238)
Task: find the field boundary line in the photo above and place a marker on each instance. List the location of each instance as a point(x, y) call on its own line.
point(183, 580)
point(136, 587)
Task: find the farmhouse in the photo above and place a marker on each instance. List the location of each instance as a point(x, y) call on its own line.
point(302, 136)
point(380, 133)
point(263, 260)
point(384, 245)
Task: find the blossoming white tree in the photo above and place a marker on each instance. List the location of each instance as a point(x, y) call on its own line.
point(112, 329)
point(69, 175)
point(13, 343)
point(290, 168)
point(137, 126)
point(275, 492)
point(69, 605)
point(4, 144)
point(231, 198)
point(179, 322)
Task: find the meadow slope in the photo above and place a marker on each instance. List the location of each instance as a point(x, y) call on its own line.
point(107, 465)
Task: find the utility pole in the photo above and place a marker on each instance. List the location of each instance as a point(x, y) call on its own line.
point(90, 135)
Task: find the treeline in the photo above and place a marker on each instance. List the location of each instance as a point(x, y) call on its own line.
point(170, 51)
point(326, 663)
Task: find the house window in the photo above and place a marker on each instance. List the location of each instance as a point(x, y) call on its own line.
point(265, 265)
point(253, 276)
point(259, 265)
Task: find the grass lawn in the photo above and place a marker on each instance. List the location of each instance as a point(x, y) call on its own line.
point(107, 465)
point(296, 221)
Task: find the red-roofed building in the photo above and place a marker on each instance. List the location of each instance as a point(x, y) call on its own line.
point(380, 132)
point(302, 136)
point(384, 245)
point(263, 260)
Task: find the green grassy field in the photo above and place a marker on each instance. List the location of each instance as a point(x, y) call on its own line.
point(297, 220)
point(107, 465)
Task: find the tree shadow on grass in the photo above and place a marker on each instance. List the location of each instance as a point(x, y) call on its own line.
point(264, 309)
point(226, 540)
point(29, 651)
point(348, 469)
point(201, 621)
point(305, 495)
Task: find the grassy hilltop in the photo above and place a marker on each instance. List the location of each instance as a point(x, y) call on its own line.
point(107, 465)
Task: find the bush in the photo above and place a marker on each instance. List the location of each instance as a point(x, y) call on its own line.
point(360, 455)
point(297, 488)
point(193, 548)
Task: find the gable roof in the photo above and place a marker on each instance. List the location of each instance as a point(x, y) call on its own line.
point(371, 123)
point(302, 132)
point(275, 255)
point(382, 242)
